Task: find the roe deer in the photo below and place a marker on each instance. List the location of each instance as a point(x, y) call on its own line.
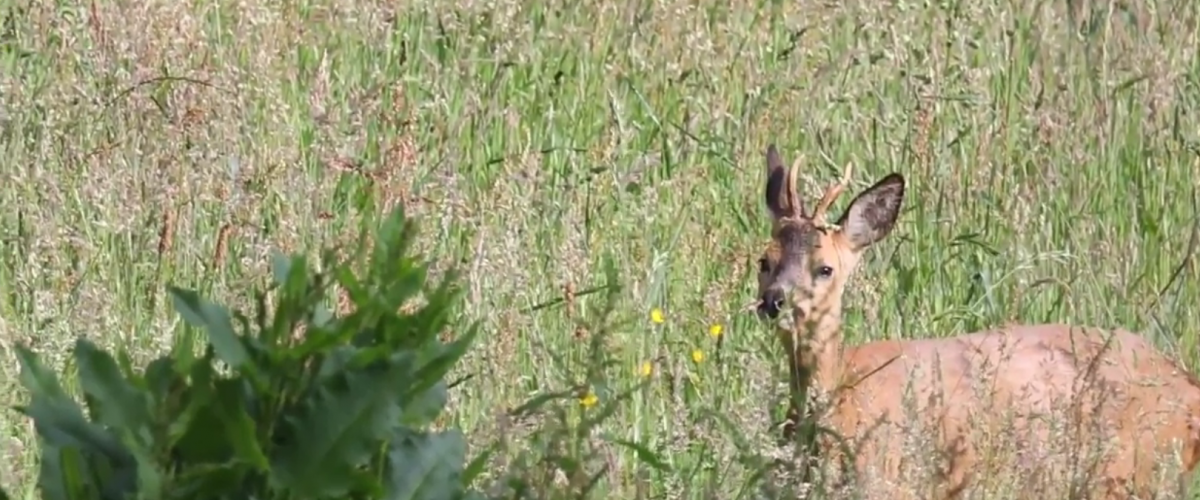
point(1118, 388)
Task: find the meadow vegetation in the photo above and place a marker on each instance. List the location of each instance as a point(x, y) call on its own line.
point(1051, 151)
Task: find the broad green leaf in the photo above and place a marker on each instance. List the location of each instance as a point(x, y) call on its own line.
point(197, 433)
point(426, 467)
point(436, 369)
point(50, 474)
point(295, 283)
point(321, 316)
point(214, 319)
point(320, 340)
point(335, 362)
point(150, 477)
point(73, 473)
point(61, 423)
point(426, 324)
point(57, 418)
point(211, 480)
point(183, 352)
point(36, 378)
point(425, 406)
point(127, 370)
point(126, 410)
point(281, 267)
point(124, 406)
point(391, 242)
point(404, 285)
point(203, 440)
point(70, 473)
point(441, 299)
point(239, 428)
point(340, 428)
point(181, 418)
point(351, 284)
point(159, 378)
point(294, 299)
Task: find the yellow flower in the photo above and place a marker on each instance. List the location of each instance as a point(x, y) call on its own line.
point(646, 369)
point(656, 316)
point(588, 400)
point(697, 355)
point(716, 330)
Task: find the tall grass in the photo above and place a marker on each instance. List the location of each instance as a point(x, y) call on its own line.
point(1051, 150)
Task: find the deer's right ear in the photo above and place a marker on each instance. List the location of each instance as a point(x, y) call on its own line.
point(872, 214)
point(781, 189)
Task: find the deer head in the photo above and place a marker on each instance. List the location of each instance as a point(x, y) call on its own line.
point(809, 260)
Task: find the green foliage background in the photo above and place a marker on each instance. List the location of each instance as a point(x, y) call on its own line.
point(1050, 148)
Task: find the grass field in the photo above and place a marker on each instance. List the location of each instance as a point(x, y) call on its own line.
point(1051, 150)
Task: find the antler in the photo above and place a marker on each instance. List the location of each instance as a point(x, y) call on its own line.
point(831, 194)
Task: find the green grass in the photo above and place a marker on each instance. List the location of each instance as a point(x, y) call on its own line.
point(1051, 153)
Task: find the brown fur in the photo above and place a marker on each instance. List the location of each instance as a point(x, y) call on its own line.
point(969, 386)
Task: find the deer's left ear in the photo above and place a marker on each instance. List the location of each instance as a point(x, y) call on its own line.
point(872, 214)
point(781, 196)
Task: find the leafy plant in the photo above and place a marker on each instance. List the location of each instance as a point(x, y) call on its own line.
point(292, 403)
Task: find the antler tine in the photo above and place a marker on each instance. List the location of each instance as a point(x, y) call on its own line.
point(828, 198)
point(796, 165)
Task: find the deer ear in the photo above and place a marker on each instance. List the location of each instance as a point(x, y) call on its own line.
point(781, 190)
point(872, 214)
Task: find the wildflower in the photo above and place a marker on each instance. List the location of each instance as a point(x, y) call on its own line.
point(646, 369)
point(716, 330)
point(697, 355)
point(588, 400)
point(656, 316)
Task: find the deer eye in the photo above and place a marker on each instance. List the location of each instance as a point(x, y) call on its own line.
point(763, 265)
point(824, 272)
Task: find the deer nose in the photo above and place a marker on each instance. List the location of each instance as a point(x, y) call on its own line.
point(771, 303)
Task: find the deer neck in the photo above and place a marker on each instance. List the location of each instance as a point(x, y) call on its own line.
point(816, 350)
